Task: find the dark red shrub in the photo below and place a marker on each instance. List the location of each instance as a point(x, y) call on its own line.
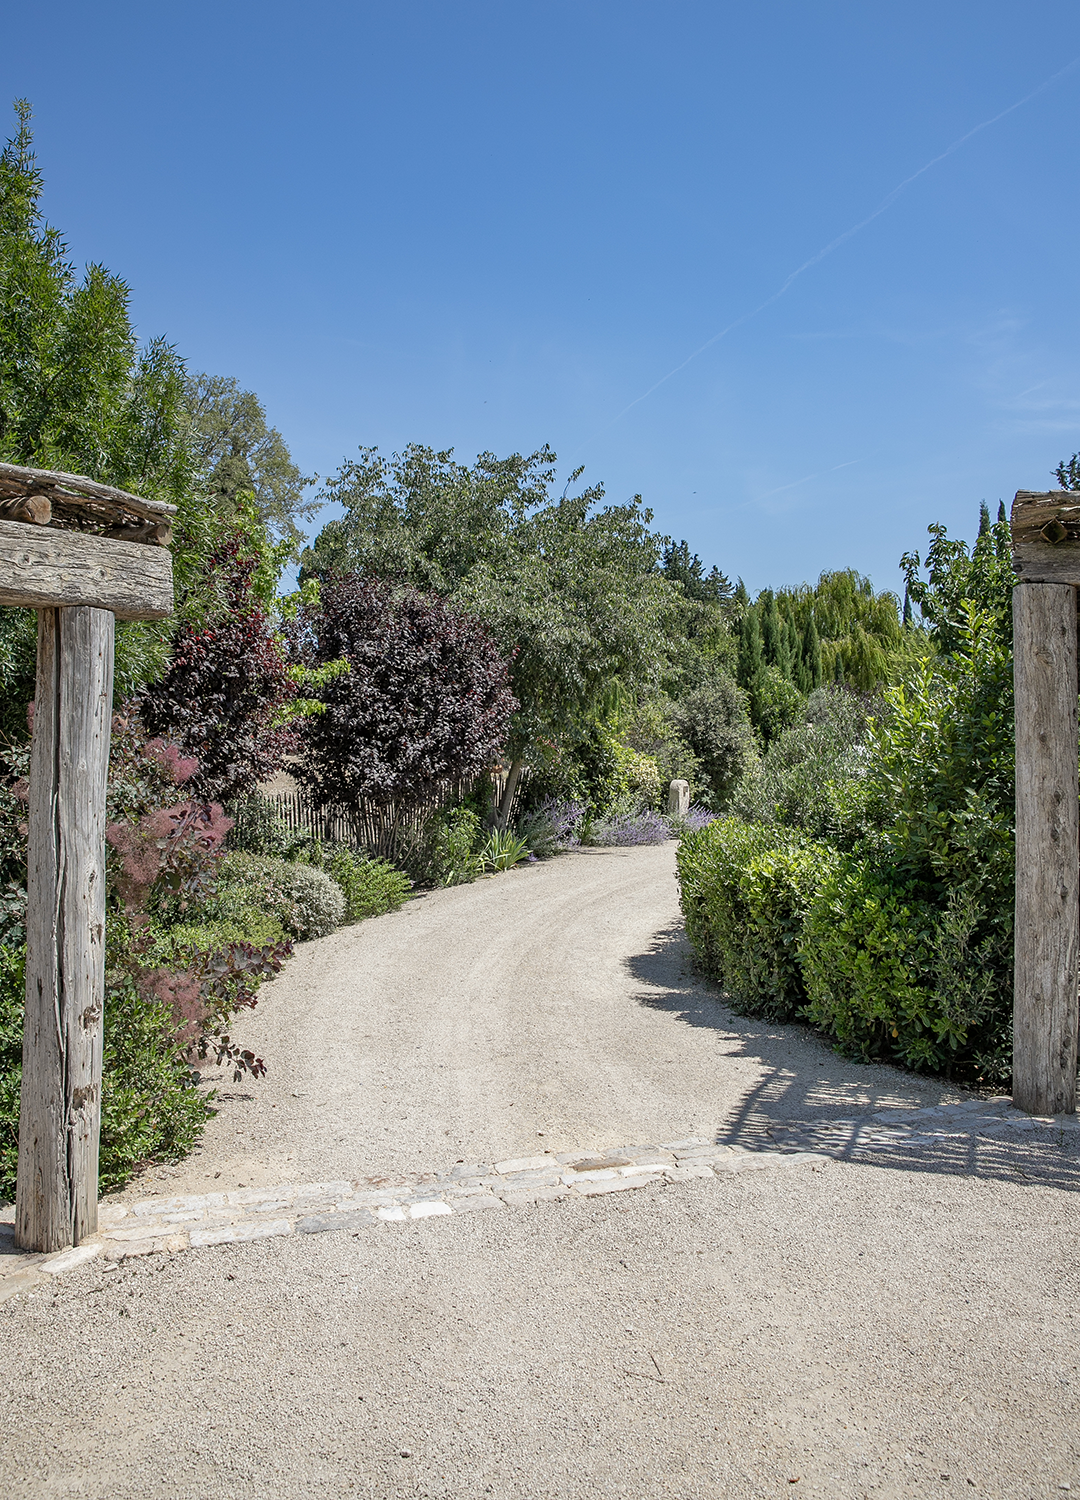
point(222, 697)
point(426, 697)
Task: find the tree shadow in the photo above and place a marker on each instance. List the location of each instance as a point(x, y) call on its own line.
point(809, 1097)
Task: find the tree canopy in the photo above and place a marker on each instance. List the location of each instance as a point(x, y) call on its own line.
point(570, 589)
point(426, 695)
point(237, 452)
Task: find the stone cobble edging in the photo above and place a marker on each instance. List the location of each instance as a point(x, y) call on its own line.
point(193, 1221)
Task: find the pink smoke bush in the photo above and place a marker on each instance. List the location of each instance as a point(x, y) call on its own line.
point(178, 843)
point(177, 766)
point(183, 992)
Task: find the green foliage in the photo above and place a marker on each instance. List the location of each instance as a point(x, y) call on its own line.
point(12, 982)
point(257, 829)
point(958, 575)
point(812, 775)
point(905, 980)
point(151, 1108)
point(649, 727)
point(689, 573)
point(237, 452)
point(713, 720)
point(369, 886)
point(901, 925)
point(569, 590)
point(502, 850)
point(837, 631)
point(942, 765)
point(775, 702)
point(864, 950)
point(75, 390)
point(244, 923)
point(636, 776)
point(444, 850)
point(305, 900)
point(746, 889)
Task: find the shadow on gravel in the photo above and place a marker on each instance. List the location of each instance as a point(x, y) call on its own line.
point(804, 1102)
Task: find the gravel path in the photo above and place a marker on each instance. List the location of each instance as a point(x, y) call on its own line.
point(550, 1008)
point(898, 1320)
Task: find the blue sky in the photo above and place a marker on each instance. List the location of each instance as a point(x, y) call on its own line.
point(482, 224)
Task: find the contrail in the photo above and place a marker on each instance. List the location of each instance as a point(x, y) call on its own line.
point(780, 488)
point(885, 203)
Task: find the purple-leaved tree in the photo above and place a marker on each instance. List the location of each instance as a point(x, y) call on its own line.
point(426, 696)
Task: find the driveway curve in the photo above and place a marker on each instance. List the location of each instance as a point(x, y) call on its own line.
point(550, 1008)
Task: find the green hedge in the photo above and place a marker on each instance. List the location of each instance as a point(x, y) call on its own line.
point(793, 928)
point(746, 889)
point(865, 949)
point(369, 886)
point(899, 979)
point(306, 902)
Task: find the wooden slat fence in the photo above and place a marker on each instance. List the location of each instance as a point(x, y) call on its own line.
point(384, 829)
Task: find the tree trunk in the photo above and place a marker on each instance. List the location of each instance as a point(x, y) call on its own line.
point(1047, 849)
point(60, 1111)
point(507, 802)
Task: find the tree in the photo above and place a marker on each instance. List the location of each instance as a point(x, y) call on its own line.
point(426, 696)
point(570, 590)
point(956, 575)
point(715, 723)
point(1067, 475)
point(236, 451)
point(854, 633)
point(223, 695)
point(76, 392)
point(689, 571)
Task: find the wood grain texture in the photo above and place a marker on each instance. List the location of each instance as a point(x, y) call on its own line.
point(60, 1108)
point(1046, 536)
point(1047, 849)
point(14, 478)
point(1043, 563)
point(42, 567)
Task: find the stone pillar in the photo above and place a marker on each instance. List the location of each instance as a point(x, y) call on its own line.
point(678, 799)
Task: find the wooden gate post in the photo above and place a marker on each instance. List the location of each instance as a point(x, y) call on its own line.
point(53, 558)
point(1047, 849)
point(60, 1109)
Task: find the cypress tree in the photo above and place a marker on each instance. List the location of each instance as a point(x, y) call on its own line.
point(810, 663)
point(984, 518)
point(788, 660)
point(750, 652)
point(770, 626)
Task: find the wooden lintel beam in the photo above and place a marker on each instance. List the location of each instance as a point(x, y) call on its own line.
point(1046, 536)
point(42, 567)
point(18, 480)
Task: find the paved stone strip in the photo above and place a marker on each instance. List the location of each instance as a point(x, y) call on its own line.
point(169, 1225)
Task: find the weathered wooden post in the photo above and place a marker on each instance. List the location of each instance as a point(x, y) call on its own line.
point(1046, 556)
point(52, 560)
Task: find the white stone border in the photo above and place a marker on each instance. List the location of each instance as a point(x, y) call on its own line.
point(170, 1225)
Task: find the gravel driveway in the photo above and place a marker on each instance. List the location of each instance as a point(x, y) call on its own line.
point(887, 1320)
